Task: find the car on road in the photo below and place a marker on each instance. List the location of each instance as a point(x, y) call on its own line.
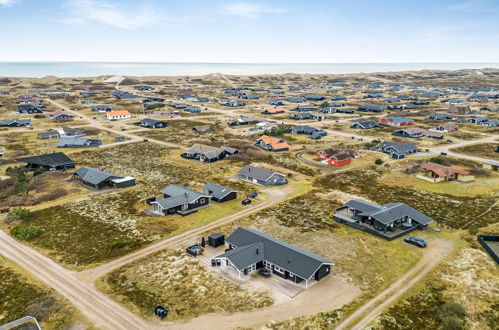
point(414, 240)
point(264, 272)
point(443, 153)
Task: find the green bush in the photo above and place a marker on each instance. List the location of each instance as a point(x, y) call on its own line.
point(38, 171)
point(122, 242)
point(20, 213)
point(26, 233)
point(378, 162)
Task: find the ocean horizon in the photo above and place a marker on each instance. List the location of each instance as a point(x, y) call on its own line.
point(92, 69)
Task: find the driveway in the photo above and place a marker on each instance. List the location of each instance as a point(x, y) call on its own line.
point(436, 251)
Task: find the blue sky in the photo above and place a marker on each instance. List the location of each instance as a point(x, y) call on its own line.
point(293, 31)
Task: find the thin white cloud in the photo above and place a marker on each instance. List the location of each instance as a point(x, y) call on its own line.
point(250, 10)
point(109, 13)
point(7, 3)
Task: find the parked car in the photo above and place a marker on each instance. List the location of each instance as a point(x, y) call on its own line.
point(246, 201)
point(4, 210)
point(418, 241)
point(443, 153)
point(264, 272)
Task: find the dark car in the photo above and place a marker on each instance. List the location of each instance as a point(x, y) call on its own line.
point(443, 153)
point(246, 201)
point(418, 241)
point(264, 272)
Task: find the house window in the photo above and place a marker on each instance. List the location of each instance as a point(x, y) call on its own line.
point(201, 200)
point(278, 270)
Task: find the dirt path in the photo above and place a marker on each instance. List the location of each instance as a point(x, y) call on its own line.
point(436, 251)
point(102, 310)
point(91, 275)
point(328, 294)
point(100, 125)
point(322, 167)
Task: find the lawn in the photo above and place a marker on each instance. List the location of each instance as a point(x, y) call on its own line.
point(484, 150)
point(20, 296)
point(180, 282)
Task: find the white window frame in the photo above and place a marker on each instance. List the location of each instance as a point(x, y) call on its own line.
point(279, 269)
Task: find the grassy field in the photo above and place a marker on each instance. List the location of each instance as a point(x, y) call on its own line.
point(103, 226)
point(480, 186)
point(467, 278)
point(485, 150)
point(305, 220)
point(452, 210)
point(21, 295)
point(180, 282)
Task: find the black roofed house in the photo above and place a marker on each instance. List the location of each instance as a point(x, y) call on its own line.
point(181, 200)
point(412, 132)
point(250, 250)
point(303, 129)
point(16, 123)
point(152, 123)
point(311, 97)
point(370, 108)
point(193, 109)
point(301, 116)
point(440, 116)
point(101, 108)
point(208, 154)
point(57, 161)
point(397, 150)
point(304, 107)
point(28, 108)
point(60, 133)
point(219, 193)
point(388, 221)
point(78, 142)
point(98, 179)
point(58, 116)
point(261, 176)
point(363, 124)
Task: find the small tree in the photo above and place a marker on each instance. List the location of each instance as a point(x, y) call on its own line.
point(378, 162)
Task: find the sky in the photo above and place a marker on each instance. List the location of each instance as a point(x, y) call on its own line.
point(220, 31)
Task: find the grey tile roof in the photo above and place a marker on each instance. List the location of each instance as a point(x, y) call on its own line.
point(217, 190)
point(401, 148)
point(174, 190)
point(394, 211)
point(53, 159)
point(208, 151)
point(245, 256)
point(72, 141)
point(298, 261)
point(95, 176)
point(363, 206)
point(256, 172)
point(389, 212)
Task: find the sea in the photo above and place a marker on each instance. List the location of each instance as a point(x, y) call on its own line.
point(92, 69)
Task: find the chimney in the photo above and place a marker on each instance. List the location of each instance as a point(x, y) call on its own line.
point(256, 250)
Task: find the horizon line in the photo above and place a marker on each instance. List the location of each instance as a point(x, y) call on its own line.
point(264, 63)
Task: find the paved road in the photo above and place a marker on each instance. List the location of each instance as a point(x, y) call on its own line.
point(100, 309)
point(436, 251)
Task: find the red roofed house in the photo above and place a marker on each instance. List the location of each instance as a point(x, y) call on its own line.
point(273, 110)
point(271, 143)
point(433, 172)
point(336, 157)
